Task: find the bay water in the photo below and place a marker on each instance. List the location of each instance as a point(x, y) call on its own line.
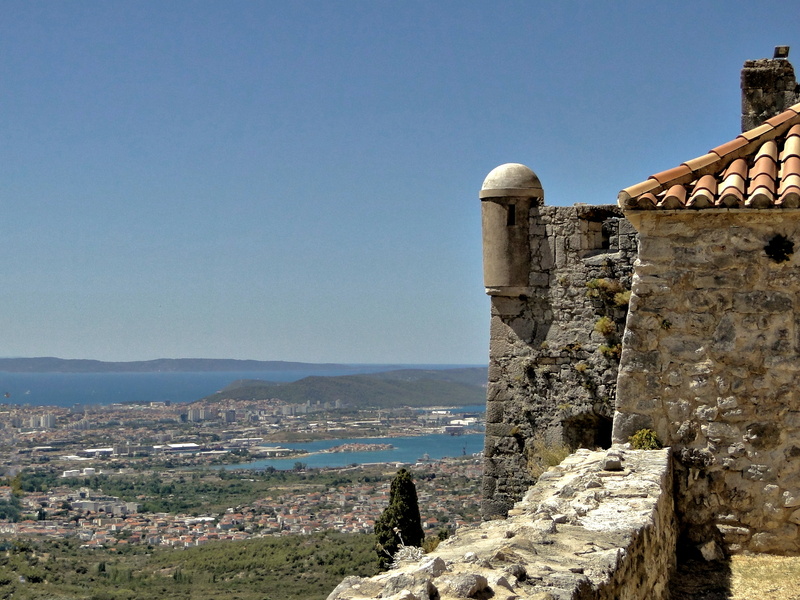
point(405, 450)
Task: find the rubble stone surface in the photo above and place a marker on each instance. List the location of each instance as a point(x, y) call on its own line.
point(581, 533)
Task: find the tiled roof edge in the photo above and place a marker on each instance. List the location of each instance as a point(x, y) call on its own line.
point(715, 160)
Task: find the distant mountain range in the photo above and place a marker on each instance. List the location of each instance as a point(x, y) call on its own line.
point(160, 365)
point(358, 386)
point(405, 387)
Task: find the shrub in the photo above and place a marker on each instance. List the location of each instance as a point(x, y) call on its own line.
point(622, 298)
point(610, 351)
point(430, 544)
point(603, 288)
point(645, 439)
point(605, 326)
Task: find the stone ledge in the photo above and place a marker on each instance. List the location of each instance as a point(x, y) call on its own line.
point(581, 533)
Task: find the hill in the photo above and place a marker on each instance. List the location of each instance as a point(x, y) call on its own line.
point(404, 387)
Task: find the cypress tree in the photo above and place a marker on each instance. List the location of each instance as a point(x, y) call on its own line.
point(400, 521)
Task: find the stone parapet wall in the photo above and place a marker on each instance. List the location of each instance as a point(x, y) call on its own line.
point(711, 362)
point(552, 374)
point(600, 526)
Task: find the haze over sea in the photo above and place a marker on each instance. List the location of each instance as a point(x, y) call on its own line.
point(68, 389)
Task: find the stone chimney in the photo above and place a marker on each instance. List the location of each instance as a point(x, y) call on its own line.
point(769, 87)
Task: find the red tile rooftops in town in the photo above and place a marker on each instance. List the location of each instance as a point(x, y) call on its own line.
point(758, 169)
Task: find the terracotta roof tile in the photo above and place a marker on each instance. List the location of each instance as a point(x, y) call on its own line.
point(706, 183)
point(762, 176)
point(729, 147)
point(672, 174)
point(780, 119)
point(643, 188)
point(761, 198)
point(789, 181)
point(758, 169)
point(768, 150)
point(737, 167)
point(790, 173)
point(674, 198)
point(701, 162)
point(730, 197)
point(646, 201)
point(790, 166)
point(753, 134)
point(791, 147)
point(704, 193)
point(789, 198)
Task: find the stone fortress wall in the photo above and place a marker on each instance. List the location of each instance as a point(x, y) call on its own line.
point(552, 375)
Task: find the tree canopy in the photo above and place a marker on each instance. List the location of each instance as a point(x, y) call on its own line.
point(400, 522)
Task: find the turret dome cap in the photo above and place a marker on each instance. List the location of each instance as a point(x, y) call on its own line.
point(511, 179)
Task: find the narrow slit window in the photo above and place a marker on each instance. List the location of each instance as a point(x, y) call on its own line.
point(511, 215)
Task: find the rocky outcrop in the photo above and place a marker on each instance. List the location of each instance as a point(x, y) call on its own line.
point(598, 526)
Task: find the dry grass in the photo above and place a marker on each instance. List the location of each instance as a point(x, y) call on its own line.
point(765, 577)
point(541, 455)
point(762, 577)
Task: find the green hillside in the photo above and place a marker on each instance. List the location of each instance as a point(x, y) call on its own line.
point(272, 568)
point(406, 387)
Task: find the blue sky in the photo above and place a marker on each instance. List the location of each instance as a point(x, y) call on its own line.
point(298, 180)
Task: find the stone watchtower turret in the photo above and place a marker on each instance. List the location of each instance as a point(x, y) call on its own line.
point(507, 195)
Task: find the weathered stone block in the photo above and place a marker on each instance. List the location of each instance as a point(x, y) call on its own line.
point(781, 540)
point(764, 435)
point(626, 424)
point(498, 431)
point(762, 301)
point(495, 411)
point(719, 279)
point(721, 432)
point(724, 337)
point(733, 534)
point(758, 472)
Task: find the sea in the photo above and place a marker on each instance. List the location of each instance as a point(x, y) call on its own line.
point(69, 389)
point(406, 450)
